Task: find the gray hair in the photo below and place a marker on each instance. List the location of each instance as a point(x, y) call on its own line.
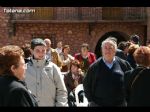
point(110, 41)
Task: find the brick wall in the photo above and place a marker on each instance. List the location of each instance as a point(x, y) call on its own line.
point(3, 27)
point(148, 23)
point(73, 34)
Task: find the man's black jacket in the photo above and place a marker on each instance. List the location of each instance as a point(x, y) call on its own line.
point(90, 78)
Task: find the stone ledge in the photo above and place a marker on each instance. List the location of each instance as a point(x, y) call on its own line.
point(77, 21)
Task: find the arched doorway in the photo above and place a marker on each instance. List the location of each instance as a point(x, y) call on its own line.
point(119, 35)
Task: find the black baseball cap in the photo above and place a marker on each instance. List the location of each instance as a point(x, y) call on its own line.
point(37, 42)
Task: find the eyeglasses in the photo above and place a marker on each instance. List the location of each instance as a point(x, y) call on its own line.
point(23, 64)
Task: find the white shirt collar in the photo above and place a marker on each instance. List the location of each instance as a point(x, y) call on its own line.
point(109, 64)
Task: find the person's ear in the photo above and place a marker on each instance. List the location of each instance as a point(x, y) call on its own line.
point(13, 68)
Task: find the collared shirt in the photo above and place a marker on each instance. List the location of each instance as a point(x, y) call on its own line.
point(109, 65)
point(85, 57)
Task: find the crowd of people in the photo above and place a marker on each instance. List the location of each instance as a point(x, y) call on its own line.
point(36, 74)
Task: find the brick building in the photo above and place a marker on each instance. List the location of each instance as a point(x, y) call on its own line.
point(73, 25)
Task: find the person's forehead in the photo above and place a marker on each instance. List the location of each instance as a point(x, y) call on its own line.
point(75, 66)
point(84, 48)
point(67, 48)
point(108, 44)
point(21, 58)
point(59, 43)
point(47, 41)
point(40, 47)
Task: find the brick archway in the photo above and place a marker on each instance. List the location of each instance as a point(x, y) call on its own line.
point(121, 36)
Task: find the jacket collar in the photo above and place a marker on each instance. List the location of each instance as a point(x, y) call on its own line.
point(39, 63)
point(11, 77)
point(88, 55)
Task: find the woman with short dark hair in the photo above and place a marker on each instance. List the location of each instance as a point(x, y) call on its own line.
point(137, 81)
point(13, 91)
point(72, 80)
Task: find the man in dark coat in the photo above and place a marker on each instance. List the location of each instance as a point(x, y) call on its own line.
point(104, 82)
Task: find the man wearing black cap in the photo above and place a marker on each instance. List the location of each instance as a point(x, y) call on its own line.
point(44, 78)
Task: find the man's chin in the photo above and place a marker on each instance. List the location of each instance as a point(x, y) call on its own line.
point(108, 56)
point(40, 58)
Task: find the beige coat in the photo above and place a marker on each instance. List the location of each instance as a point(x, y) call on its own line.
point(45, 81)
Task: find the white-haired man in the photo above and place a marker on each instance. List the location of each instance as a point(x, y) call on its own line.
point(52, 54)
point(104, 82)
